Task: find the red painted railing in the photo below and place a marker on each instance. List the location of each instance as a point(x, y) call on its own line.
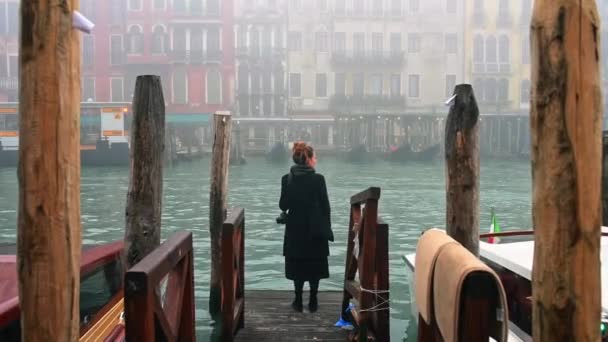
point(370, 260)
point(148, 317)
point(233, 274)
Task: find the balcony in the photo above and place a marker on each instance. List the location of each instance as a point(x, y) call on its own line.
point(349, 103)
point(264, 55)
point(368, 58)
point(9, 83)
point(195, 56)
point(492, 68)
point(479, 19)
point(495, 106)
point(369, 13)
point(261, 14)
point(504, 20)
point(213, 56)
point(196, 12)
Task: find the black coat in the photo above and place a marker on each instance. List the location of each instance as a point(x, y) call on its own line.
point(308, 227)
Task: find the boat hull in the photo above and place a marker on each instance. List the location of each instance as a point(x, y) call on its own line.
point(405, 154)
point(116, 155)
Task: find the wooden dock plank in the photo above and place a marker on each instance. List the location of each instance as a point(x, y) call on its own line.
point(269, 317)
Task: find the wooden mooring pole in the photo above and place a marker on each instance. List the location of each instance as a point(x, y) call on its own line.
point(605, 178)
point(48, 247)
point(566, 117)
point(144, 199)
point(217, 203)
point(462, 165)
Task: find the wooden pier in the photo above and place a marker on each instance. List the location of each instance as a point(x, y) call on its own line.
point(155, 288)
point(271, 318)
point(268, 316)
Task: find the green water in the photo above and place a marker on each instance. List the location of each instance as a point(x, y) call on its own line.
point(413, 198)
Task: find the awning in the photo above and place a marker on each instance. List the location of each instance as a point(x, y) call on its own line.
point(180, 119)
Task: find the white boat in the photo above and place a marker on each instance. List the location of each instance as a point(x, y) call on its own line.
point(512, 261)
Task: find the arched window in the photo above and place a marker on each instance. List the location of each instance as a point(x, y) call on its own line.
point(213, 7)
point(180, 86)
point(136, 40)
point(479, 89)
point(158, 40)
point(135, 5)
point(503, 90)
point(503, 49)
point(503, 8)
point(525, 50)
point(179, 5)
point(243, 90)
point(214, 87)
point(491, 49)
point(254, 41)
point(478, 49)
point(525, 92)
point(478, 13)
point(490, 90)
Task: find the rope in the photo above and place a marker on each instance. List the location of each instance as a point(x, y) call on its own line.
point(377, 307)
point(374, 291)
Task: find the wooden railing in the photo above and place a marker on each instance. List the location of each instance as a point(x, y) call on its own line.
point(370, 259)
point(515, 233)
point(233, 274)
point(148, 317)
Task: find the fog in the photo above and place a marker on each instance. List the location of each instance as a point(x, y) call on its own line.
point(339, 74)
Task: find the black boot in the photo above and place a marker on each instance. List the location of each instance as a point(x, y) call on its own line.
point(297, 302)
point(313, 303)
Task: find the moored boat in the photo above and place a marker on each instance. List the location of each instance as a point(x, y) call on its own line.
point(101, 294)
point(357, 154)
point(405, 153)
point(103, 134)
point(278, 153)
point(512, 260)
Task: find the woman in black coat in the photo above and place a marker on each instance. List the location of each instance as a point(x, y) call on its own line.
point(308, 227)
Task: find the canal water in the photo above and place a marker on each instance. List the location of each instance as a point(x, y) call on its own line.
point(413, 198)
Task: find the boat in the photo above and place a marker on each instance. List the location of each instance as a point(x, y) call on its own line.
point(358, 154)
point(103, 153)
point(512, 260)
point(236, 155)
point(103, 136)
point(278, 153)
point(106, 154)
point(405, 153)
point(8, 156)
point(101, 294)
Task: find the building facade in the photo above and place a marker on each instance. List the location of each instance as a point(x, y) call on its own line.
point(368, 72)
point(497, 54)
point(603, 10)
point(9, 50)
point(261, 68)
point(190, 43)
point(102, 54)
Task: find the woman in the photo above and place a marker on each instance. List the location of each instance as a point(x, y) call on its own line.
point(308, 227)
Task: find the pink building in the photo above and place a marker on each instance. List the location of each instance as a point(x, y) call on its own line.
point(102, 53)
point(191, 45)
point(9, 47)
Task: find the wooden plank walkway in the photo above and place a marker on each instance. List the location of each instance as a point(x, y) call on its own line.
point(269, 317)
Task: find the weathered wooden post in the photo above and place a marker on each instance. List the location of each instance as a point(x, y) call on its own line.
point(48, 247)
point(217, 203)
point(462, 165)
point(604, 178)
point(144, 199)
point(169, 145)
point(566, 117)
